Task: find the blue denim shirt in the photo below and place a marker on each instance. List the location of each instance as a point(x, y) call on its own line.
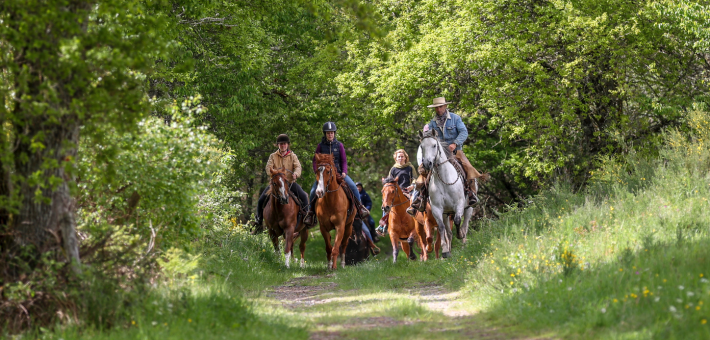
point(455, 131)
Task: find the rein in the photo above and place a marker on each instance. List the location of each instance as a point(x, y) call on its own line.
point(272, 190)
point(330, 171)
point(436, 165)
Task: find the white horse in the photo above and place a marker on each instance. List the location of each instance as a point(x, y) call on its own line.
point(446, 189)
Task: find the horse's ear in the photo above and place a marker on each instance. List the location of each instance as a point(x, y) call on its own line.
point(273, 172)
point(435, 133)
point(421, 135)
point(396, 179)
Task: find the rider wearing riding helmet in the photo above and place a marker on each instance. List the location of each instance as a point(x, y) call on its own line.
point(330, 145)
point(404, 171)
point(281, 159)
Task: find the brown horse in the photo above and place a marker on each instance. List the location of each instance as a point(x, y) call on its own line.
point(403, 228)
point(427, 220)
point(281, 217)
point(333, 210)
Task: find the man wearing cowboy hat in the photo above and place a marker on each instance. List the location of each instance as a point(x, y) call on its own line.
point(451, 130)
point(281, 159)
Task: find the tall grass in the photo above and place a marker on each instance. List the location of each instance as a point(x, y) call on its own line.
point(627, 257)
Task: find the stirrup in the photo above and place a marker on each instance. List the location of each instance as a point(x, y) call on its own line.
point(310, 219)
point(411, 211)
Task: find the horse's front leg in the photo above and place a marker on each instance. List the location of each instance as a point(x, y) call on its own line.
point(394, 238)
point(335, 253)
point(328, 248)
point(302, 246)
point(288, 238)
point(460, 234)
point(438, 213)
point(274, 239)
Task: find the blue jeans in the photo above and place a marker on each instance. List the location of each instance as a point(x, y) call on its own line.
point(348, 181)
point(367, 232)
point(415, 193)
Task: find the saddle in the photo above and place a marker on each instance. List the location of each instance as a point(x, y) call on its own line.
point(351, 197)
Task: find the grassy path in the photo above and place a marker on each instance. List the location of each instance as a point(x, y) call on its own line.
point(345, 304)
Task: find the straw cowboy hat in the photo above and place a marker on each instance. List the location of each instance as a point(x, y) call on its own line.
point(439, 102)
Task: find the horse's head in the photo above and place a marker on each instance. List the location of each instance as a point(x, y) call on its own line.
point(390, 192)
point(325, 173)
point(429, 148)
point(279, 186)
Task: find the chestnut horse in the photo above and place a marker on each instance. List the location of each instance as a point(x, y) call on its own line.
point(333, 210)
point(429, 222)
point(281, 217)
point(402, 226)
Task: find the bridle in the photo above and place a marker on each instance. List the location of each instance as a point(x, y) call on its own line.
point(436, 165)
point(330, 174)
point(397, 189)
point(277, 197)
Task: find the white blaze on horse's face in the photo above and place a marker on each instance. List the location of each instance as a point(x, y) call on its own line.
point(282, 189)
point(320, 189)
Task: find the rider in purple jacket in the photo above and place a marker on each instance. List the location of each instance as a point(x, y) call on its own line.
point(330, 145)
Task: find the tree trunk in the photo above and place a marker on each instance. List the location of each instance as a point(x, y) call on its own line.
point(45, 218)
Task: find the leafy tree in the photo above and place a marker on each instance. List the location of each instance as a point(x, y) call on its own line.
point(70, 69)
point(544, 86)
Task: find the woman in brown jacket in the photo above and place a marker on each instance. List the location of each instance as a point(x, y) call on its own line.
point(282, 159)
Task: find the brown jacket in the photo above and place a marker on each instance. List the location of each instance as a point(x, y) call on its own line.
point(289, 162)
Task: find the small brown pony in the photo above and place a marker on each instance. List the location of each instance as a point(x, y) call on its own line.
point(403, 228)
point(281, 217)
point(333, 210)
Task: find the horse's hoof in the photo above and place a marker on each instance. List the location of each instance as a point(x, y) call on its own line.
point(375, 251)
point(446, 255)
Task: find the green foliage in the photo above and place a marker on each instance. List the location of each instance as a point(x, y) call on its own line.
point(68, 64)
point(152, 178)
point(543, 86)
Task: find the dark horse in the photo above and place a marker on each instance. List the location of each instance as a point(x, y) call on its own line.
point(281, 217)
point(358, 248)
point(333, 210)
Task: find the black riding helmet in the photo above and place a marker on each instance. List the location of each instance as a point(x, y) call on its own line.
point(329, 126)
point(283, 138)
point(360, 184)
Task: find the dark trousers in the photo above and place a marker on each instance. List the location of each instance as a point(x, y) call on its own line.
point(295, 188)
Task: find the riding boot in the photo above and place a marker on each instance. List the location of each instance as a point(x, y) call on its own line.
point(471, 194)
point(419, 202)
point(310, 219)
point(362, 211)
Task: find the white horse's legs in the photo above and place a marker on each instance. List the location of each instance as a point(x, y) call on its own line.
point(463, 230)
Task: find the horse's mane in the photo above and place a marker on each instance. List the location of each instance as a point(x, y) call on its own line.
point(328, 158)
point(389, 180)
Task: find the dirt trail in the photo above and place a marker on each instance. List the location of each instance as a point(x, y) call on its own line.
point(350, 314)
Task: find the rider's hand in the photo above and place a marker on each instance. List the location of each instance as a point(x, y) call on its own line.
point(452, 147)
point(295, 177)
point(343, 175)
